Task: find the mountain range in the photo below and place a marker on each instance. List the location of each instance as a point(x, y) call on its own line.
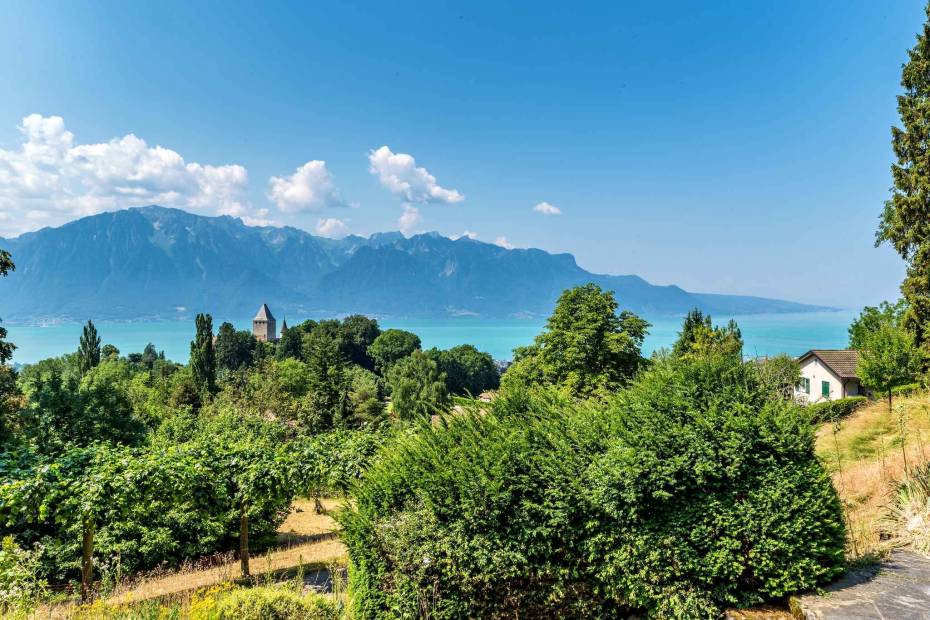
point(159, 263)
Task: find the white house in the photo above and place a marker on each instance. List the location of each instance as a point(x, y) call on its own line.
point(828, 375)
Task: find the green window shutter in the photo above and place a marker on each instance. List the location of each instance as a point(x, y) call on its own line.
point(825, 388)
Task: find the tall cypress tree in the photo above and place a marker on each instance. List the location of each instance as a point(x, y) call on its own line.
point(89, 349)
point(905, 221)
point(203, 356)
point(6, 348)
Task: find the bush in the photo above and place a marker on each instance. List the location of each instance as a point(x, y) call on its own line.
point(272, 603)
point(908, 520)
point(691, 490)
point(901, 390)
point(835, 409)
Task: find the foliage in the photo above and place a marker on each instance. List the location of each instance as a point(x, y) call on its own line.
point(328, 384)
point(366, 397)
point(889, 358)
point(273, 603)
point(467, 370)
point(833, 410)
point(418, 388)
point(89, 349)
point(872, 318)
point(691, 490)
point(330, 463)
point(587, 349)
point(6, 348)
point(905, 220)
point(908, 518)
point(290, 345)
point(233, 348)
point(20, 585)
point(203, 355)
point(780, 374)
point(11, 401)
point(699, 336)
point(359, 332)
point(392, 345)
point(109, 351)
point(63, 410)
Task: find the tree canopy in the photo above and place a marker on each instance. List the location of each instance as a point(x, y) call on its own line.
point(390, 346)
point(905, 220)
point(587, 349)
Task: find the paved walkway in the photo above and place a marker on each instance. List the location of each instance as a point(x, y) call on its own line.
point(898, 589)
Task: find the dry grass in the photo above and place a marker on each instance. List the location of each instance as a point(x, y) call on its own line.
point(866, 455)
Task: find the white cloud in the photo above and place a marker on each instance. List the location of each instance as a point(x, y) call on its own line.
point(332, 228)
point(547, 209)
point(503, 242)
point(409, 220)
point(469, 234)
point(398, 172)
point(310, 188)
point(50, 179)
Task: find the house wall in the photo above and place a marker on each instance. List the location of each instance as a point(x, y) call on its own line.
point(814, 370)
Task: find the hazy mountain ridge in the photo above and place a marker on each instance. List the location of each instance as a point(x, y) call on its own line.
point(164, 263)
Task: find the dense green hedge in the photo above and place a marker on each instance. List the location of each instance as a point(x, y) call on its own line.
point(835, 409)
point(689, 491)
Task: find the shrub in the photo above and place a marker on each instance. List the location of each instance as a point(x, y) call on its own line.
point(691, 490)
point(908, 519)
point(20, 584)
point(835, 409)
point(272, 603)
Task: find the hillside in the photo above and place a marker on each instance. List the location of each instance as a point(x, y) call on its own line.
point(154, 262)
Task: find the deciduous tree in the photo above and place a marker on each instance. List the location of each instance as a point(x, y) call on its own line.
point(889, 358)
point(390, 346)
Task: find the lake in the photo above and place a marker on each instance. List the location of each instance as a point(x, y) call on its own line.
point(764, 334)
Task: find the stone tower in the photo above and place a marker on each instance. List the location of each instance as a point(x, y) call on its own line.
point(263, 325)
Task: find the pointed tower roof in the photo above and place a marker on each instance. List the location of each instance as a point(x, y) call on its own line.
point(264, 314)
point(283, 325)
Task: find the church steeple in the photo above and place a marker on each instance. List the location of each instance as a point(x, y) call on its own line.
point(283, 326)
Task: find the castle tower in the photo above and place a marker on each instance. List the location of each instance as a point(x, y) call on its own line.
point(263, 325)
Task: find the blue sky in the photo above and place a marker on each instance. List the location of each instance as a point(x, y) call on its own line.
point(725, 147)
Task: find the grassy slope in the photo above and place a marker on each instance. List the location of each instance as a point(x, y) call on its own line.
point(866, 454)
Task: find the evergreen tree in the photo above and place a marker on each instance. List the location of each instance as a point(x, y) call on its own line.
point(89, 349)
point(694, 321)
point(418, 387)
point(905, 221)
point(203, 356)
point(587, 350)
point(326, 365)
point(6, 348)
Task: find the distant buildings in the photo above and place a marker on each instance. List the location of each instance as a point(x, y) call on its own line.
point(828, 374)
point(264, 326)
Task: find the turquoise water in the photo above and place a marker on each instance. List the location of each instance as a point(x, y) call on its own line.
point(764, 334)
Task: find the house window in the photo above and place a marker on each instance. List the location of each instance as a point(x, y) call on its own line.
point(805, 385)
point(825, 388)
